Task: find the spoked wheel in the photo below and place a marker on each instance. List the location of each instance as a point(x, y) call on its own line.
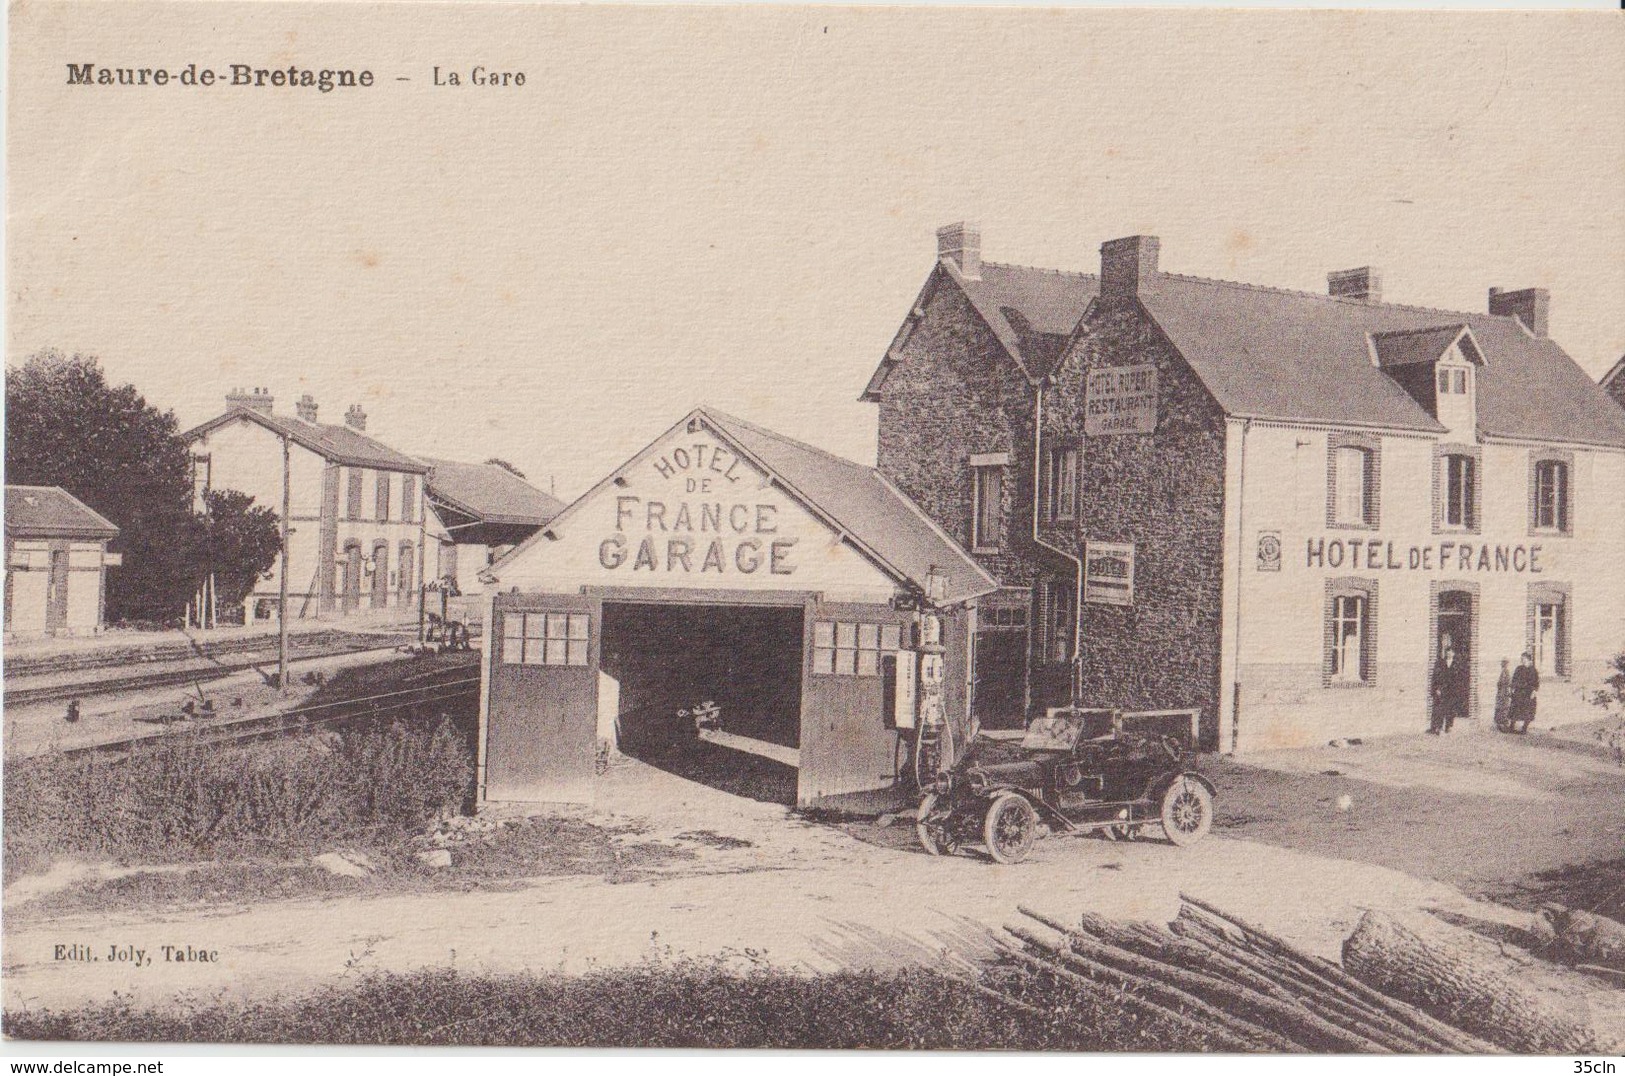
point(1011, 827)
point(932, 832)
point(1187, 811)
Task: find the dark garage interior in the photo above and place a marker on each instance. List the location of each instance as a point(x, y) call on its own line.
point(745, 659)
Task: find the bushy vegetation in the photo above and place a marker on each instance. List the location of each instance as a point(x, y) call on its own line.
point(179, 801)
point(660, 1003)
point(1612, 699)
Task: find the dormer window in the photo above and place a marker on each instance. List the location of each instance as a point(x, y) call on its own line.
point(1453, 382)
point(1436, 366)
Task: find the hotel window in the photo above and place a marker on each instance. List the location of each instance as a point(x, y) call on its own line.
point(1452, 382)
point(1551, 495)
point(844, 648)
point(1061, 483)
point(545, 638)
point(1456, 490)
point(383, 495)
point(1549, 629)
point(1351, 639)
point(353, 497)
point(987, 507)
point(1352, 482)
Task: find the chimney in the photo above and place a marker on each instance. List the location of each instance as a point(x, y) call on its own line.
point(1532, 306)
point(961, 243)
point(1363, 285)
point(1127, 264)
point(355, 418)
point(306, 407)
point(258, 400)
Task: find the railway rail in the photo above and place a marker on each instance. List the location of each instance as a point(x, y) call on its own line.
point(445, 686)
point(25, 695)
point(332, 641)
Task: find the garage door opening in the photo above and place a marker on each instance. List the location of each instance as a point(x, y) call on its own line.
point(659, 660)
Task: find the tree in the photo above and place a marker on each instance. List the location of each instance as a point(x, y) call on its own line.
point(66, 426)
point(238, 543)
point(1612, 699)
point(497, 461)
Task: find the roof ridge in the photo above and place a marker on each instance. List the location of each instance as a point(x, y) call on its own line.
point(1041, 269)
point(783, 438)
point(1341, 300)
point(1424, 329)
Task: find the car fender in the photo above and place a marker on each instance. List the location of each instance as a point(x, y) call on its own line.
point(1162, 784)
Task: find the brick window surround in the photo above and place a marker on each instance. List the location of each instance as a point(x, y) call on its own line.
point(1371, 513)
point(1347, 587)
point(1547, 460)
point(352, 508)
point(1560, 595)
point(1475, 490)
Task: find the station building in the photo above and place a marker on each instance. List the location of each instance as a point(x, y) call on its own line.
point(723, 564)
point(356, 506)
point(480, 511)
point(1269, 505)
point(56, 563)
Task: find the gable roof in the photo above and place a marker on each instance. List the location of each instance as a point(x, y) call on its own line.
point(1410, 347)
point(1276, 354)
point(341, 444)
point(52, 512)
point(489, 494)
point(852, 499)
point(1613, 382)
point(1030, 311)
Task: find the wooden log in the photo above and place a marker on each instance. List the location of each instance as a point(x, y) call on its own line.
point(1326, 1001)
point(1226, 1034)
point(1458, 982)
point(1461, 1041)
point(1159, 997)
point(1292, 1020)
point(1581, 937)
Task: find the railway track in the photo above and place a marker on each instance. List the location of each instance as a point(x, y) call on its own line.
point(26, 695)
point(443, 687)
point(326, 642)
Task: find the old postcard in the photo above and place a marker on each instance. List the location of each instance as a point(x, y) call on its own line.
point(815, 527)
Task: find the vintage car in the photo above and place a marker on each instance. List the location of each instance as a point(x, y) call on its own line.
point(1076, 771)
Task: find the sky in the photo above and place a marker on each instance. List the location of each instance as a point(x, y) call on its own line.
point(736, 206)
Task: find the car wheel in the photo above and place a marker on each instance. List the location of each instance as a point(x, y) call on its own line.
point(1011, 827)
point(930, 834)
point(1187, 811)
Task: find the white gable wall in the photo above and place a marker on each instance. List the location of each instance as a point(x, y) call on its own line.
point(689, 513)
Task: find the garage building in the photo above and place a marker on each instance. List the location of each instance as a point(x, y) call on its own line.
point(731, 566)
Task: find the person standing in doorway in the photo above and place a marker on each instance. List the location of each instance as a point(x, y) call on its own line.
point(1450, 688)
point(1525, 686)
point(1503, 697)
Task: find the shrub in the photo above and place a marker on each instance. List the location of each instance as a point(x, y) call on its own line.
point(1612, 699)
point(183, 800)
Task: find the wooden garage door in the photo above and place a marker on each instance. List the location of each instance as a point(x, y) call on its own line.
point(846, 742)
point(540, 737)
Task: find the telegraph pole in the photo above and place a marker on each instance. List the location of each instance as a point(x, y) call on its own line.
point(282, 603)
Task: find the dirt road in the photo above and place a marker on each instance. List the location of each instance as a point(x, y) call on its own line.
point(819, 897)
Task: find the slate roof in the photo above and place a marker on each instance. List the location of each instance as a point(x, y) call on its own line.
point(1299, 356)
point(863, 504)
point(1031, 312)
point(342, 444)
point(52, 512)
point(1410, 347)
point(489, 494)
point(1613, 382)
point(1305, 357)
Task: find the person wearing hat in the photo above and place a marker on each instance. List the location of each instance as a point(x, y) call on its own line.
point(1451, 688)
point(1525, 686)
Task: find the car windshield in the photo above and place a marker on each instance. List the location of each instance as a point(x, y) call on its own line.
point(1061, 731)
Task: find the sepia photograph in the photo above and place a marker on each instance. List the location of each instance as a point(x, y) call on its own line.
point(814, 528)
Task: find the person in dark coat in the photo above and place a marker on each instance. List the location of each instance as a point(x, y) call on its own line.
point(1451, 688)
point(1525, 686)
point(1503, 697)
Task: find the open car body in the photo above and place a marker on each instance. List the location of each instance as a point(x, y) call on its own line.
point(1075, 771)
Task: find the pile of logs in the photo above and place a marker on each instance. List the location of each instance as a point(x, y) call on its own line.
point(1232, 984)
point(1406, 984)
